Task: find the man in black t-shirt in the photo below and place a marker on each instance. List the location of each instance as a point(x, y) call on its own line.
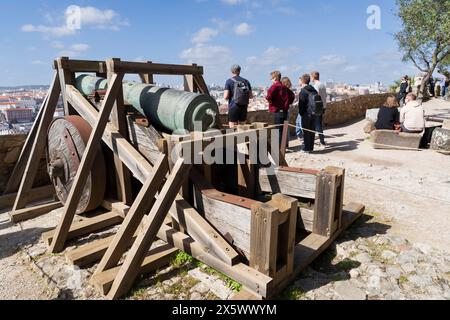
point(238, 92)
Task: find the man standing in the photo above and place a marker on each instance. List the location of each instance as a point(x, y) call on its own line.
point(309, 106)
point(322, 90)
point(238, 92)
point(404, 90)
point(279, 98)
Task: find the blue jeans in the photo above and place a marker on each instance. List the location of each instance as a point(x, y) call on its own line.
point(444, 91)
point(298, 125)
point(319, 128)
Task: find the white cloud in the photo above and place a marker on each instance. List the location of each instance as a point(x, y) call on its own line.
point(38, 62)
point(204, 35)
point(57, 45)
point(206, 55)
point(273, 56)
point(233, 2)
point(243, 29)
point(88, 17)
point(80, 47)
point(52, 31)
point(332, 59)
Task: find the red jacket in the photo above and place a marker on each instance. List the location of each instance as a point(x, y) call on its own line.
point(279, 97)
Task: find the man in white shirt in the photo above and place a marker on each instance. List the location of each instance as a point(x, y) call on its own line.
point(322, 90)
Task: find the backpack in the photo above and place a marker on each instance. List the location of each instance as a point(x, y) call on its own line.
point(315, 104)
point(241, 92)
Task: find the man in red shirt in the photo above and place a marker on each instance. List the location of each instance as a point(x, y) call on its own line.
point(280, 98)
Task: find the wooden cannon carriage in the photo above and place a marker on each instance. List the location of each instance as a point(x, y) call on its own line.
point(258, 224)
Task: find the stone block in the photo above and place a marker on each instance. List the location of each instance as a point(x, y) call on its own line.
point(389, 139)
point(441, 140)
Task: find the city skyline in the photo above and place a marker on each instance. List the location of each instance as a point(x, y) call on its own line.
point(294, 37)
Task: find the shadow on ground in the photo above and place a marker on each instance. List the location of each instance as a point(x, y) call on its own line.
point(13, 242)
point(323, 266)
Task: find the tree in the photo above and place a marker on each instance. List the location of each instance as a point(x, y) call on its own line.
point(444, 67)
point(425, 37)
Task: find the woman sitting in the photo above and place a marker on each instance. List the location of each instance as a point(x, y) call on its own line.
point(412, 115)
point(388, 116)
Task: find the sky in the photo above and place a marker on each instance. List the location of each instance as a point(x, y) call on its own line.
point(293, 36)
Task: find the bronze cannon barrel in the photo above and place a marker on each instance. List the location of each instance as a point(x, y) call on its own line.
point(170, 109)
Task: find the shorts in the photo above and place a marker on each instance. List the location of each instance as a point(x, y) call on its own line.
point(237, 114)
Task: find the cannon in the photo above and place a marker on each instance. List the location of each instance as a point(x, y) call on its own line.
point(167, 109)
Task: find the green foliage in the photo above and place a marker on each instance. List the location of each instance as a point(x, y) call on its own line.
point(425, 36)
point(181, 259)
point(292, 293)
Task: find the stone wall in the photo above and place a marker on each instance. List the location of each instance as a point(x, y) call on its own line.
point(10, 148)
point(337, 112)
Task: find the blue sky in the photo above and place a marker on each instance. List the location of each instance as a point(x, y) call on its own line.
point(295, 36)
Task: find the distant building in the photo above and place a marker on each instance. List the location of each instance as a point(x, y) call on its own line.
point(18, 115)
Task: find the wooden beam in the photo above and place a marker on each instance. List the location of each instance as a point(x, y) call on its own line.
point(89, 155)
point(85, 66)
point(253, 280)
point(86, 226)
point(295, 182)
point(155, 259)
point(17, 174)
point(286, 233)
point(34, 212)
point(118, 119)
point(40, 193)
point(264, 239)
point(147, 78)
point(157, 68)
point(138, 165)
point(116, 206)
point(152, 223)
point(325, 204)
point(202, 232)
point(39, 143)
point(284, 138)
point(66, 76)
point(140, 207)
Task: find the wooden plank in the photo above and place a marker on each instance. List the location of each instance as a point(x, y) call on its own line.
point(34, 212)
point(189, 83)
point(324, 208)
point(287, 231)
point(85, 165)
point(201, 84)
point(137, 164)
point(157, 68)
point(253, 280)
point(38, 145)
point(145, 140)
point(246, 295)
point(116, 206)
point(340, 172)
point(66, 76)
point(141, 206)
point(300, 183)
point(305, 219)
point(118, 119)
point(284, 138)
point(147, 78)
point(202, 232)
point(264, 239)
point(227, 218)
point(18, 171)
point(91, 252)
point(152, 223)
point(312, 246)
point(40, 193)
point(85, 66)
point(86, 226)
point(155, 259)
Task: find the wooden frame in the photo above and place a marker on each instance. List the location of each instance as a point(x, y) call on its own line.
point(178, 202)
